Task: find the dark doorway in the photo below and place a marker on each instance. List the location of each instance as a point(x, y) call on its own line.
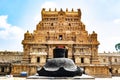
point(38, 59)
point(60, 37)
point(66, 53)
point(116, 71)
point(82, 60)
point(51, 24)
point(2, 69)
point(69, 24)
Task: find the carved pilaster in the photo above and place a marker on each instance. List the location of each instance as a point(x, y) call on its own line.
point(94, 52)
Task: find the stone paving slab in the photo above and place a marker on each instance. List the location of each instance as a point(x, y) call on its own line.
point(20, 78)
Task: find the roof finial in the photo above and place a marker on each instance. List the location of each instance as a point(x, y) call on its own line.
point(27, 31)
point(66, 9)
point(72, 10)
point(55, 9)
point(43, 9)
point(78, 10)
point(49, 9)
point(61, 9)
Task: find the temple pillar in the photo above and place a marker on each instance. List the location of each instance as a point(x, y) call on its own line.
point(50, 54)
point(77, 60)
point(94, 52)
point(70, 55)
point(7, 69)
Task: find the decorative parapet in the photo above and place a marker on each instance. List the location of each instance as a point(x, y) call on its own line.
point(61, 10)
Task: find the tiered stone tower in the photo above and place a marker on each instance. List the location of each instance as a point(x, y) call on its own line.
point(61, 28)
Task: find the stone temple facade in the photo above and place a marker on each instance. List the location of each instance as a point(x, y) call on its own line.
point(7, 58)
point(65, 28)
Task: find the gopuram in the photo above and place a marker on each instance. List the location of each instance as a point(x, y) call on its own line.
point(61, 28)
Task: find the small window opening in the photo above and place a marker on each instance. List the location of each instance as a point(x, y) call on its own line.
point(115, 60)
point(116, 71)
point(104, 60)
point(69, 24)
point(51, 24)
point(2, 69)
point(38, 59)
point(82, 60)
point(60, 37)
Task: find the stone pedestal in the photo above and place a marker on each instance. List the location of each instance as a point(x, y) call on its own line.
point(83, 77)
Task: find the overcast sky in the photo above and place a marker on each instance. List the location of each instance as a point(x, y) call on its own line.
point(18, 16)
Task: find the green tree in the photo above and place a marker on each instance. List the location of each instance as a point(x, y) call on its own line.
point(117, 47)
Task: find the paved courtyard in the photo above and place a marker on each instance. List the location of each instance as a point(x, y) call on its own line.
point(20, 78)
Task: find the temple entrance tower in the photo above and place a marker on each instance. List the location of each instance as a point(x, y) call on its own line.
point(60, 28)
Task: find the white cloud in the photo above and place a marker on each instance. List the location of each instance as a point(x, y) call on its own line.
point(117, 21)
point(10, 36)
point(3, 23)
point(8, 31)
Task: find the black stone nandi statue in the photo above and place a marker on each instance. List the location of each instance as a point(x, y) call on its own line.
point(60, 66)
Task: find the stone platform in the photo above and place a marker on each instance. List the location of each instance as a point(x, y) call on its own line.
point(83, 77)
